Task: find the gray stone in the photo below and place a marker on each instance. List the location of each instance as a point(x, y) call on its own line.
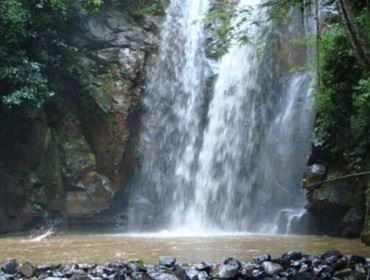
point(291, 256)
point(10, 266)
point(27, 269)
point(272, 268)
point(331, 253)
point(162, 276)
point(167, 261)
point(227, 271)
point(191, 273)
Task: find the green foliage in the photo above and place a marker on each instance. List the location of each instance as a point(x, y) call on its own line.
point(229, 25)
point(141, 7)
point(219, 21)
point(37, 207)
point(14, 17)
point(29, 45)
point(149, 9)
point(343, 100)
point(137, 261)
point(25, 83)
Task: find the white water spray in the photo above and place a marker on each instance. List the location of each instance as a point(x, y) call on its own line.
point(226, 158)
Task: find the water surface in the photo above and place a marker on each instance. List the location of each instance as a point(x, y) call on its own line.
point(99, 248)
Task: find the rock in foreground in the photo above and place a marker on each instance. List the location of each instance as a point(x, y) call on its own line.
point(291, 265)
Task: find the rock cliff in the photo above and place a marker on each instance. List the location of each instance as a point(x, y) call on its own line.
point(68, 160)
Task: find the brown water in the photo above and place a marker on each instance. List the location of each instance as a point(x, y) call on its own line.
point(99, 248)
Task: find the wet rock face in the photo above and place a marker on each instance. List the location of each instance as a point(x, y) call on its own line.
point(291, 265)
point(93, 196)
point(77, 152)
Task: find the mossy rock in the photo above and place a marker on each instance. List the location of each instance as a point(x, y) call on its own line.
point(339, 192)
point(77, 156)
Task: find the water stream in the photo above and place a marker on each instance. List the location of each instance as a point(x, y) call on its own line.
point(225, 153)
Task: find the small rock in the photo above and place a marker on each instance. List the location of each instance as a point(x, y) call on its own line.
point(202, 266)
point(272, 268)
point(202, 275)
point(360, 271)
point(303, 268)
point(340, 264)
point(296, 264)
point(10, 266)
point(259, 274)
point(247, 270)
point(46, 267)
point(180, 272)
point(288, 257)
point(227, 271)
point(115, 276)
point(162, 276)
point(323, 272)
point(305, 275)
point(343, 272)
point(355, 259)
point(191, 273)
point(167, 261)
point(233, 262)
point(331, 260)
point(109, 270)
point(331, 253)
point(27, 269)
point(261, 259)
point(291, 256)
point(59, 274)
point(85, 267)
point(81, 276)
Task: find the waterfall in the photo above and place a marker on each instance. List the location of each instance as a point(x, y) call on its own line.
point(228, 155)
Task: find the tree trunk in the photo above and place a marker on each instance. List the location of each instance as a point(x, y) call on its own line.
point(318, 42)
point(354, 33)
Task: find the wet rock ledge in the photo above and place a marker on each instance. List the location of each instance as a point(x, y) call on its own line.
point(291, 265)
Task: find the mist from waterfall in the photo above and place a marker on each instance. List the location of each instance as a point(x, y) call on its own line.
point(223, 143)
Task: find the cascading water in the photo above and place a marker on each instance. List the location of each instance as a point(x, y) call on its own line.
point(172, 123)
point(227, 158)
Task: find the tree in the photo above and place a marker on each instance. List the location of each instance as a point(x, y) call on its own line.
point(354, 33)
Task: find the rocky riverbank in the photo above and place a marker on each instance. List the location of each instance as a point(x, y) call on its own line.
point(291, 265)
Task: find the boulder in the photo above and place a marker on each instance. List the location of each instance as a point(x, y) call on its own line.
point(336, 207)
point(10, 266)
point(27, 269)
